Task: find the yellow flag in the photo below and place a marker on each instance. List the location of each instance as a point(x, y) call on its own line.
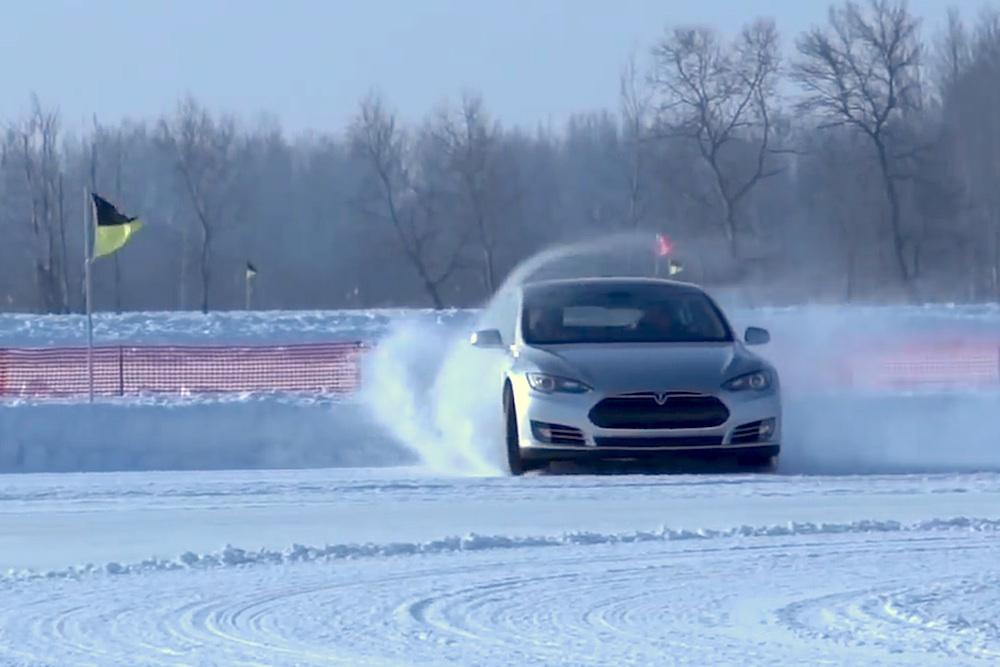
point(113, 230)
point(110, 238)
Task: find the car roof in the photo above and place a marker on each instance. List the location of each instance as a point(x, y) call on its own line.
point(611, 281)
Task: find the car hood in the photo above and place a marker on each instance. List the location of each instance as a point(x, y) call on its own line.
point(646, 367)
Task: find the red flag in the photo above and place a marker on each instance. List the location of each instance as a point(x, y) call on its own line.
point(663, 245)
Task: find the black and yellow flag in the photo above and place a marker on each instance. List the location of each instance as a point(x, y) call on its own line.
point(113, 229)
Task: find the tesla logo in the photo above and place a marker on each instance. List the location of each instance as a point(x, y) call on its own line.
point(661, 399)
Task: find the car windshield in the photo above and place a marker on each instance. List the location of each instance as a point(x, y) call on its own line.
point(636, 313)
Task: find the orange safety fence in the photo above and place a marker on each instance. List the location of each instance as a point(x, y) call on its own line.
point(334, 368)
point(130, 370)
point(919, 365)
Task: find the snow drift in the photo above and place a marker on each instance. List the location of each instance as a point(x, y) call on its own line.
point(249, 432)
point(232, 556)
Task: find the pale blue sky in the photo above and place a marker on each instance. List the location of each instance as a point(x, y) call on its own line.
point(308, 62)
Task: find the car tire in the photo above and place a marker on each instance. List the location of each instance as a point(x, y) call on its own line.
point(511, 437)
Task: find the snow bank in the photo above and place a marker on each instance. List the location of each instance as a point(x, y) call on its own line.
point(231, 556)
point(199, 432)
point(918, 432)
point(255, 432)
point(838, 424)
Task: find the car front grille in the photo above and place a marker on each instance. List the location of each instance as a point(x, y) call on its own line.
point(673, 441)
point(648, 410)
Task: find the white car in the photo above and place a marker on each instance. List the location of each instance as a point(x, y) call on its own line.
point(629, 368)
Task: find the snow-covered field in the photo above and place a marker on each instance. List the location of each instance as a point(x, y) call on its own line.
point(397, 567)
point(877, 542)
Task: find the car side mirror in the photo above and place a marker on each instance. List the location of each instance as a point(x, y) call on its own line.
point(487, 338)
point(757, 336)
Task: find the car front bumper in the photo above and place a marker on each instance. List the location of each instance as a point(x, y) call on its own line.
point(572, 411)
point(542, 453)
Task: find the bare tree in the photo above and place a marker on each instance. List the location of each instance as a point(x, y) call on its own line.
point(968, 67)
point(861, 71)
point(721, 97)
point(891, 188)
point(469, 144)
point(394, 196)
point(953, 53)
point(205, 152)
point(985, 69)
point(635, 108)
point(34, 141)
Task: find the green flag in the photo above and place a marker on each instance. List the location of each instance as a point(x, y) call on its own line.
point(113, 230)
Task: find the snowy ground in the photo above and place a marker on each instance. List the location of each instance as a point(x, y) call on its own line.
point(403, 568)
point(877, 541)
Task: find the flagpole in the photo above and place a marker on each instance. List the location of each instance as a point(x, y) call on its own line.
point(87, 294)
point(656, 258)
point(248, 278)
point(249, 290)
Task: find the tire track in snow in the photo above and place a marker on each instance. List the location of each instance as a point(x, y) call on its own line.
point(955, 616)
point(750, 596)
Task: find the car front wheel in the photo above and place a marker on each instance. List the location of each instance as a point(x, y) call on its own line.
point(513, 441)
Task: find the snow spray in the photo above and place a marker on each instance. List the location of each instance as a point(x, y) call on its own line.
point(856, 401)
point(441, 397)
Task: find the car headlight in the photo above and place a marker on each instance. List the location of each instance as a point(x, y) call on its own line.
point(553, 384)
point(757, 381)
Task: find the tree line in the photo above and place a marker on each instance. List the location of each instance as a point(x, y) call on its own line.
point(857, 161)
